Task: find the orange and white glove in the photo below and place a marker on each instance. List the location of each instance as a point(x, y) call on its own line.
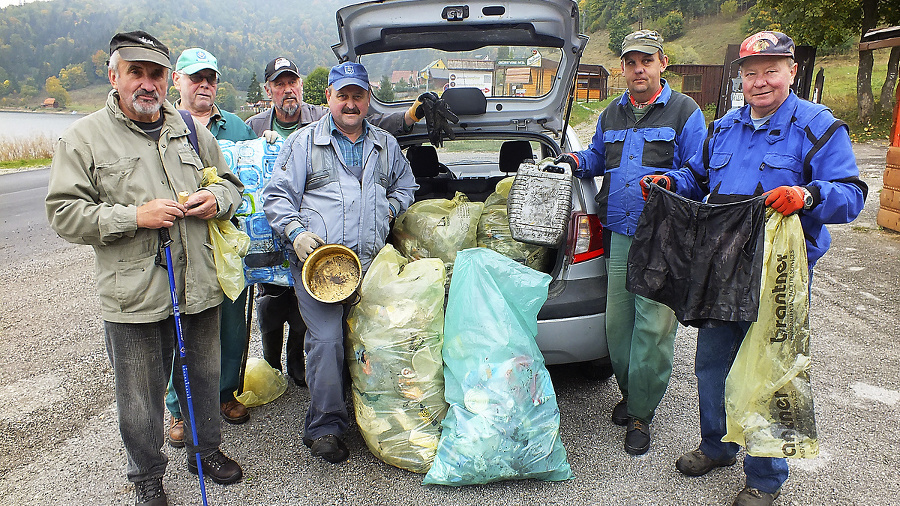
point(787, 200)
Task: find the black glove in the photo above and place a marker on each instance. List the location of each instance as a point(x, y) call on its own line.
point(438, 117)
point(569, 159)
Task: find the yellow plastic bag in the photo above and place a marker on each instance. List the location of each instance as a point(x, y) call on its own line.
point(493, 231)
point(768, 399)
point(229, 246)
point(262, 383)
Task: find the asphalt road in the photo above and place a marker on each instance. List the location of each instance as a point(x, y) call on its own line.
point(59, 442)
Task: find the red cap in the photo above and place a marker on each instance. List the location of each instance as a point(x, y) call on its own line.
point(766, 44)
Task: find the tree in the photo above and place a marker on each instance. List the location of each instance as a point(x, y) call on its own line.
point(385, 92)
point(55, 89)
point(100, 65)
point(830, 22)
point(73, 77)
point(314, 86)
point(254, 93)
point(226, 97)
point(619, 27)
point(671, 26)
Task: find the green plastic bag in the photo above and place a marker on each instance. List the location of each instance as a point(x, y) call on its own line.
point(262, 383)
point(230, 245)
point(503, 421)
point(394, 353)
point(768, 399)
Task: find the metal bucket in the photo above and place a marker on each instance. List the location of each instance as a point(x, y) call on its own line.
point(332, 273)
point(539, 205)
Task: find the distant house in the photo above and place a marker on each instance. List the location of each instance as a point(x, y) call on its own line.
point(404, 75)
point(592, 82)
point(50, 102)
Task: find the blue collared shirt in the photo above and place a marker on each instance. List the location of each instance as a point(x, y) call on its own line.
point(352, 152)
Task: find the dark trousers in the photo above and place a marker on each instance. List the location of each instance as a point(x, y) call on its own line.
point(275, 306)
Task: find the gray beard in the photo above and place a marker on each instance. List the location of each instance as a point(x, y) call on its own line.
point(290, 110)
point(142, 108)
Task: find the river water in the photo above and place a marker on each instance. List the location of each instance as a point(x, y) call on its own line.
point(29, 124)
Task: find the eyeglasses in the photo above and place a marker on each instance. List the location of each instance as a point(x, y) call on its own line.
point(211, 78)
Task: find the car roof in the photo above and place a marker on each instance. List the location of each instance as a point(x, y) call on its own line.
point(377, 27)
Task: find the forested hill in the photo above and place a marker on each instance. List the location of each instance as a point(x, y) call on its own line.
point(70, 38)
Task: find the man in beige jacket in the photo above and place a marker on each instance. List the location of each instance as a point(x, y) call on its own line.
point(114, 183)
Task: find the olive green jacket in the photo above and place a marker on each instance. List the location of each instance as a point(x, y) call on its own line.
point(103, 169)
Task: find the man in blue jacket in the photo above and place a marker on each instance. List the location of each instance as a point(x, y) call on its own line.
point(649, 130)
point(800, 156)
point(340, 180)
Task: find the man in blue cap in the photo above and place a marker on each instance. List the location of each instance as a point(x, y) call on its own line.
point(196, 78)
point(343, 182)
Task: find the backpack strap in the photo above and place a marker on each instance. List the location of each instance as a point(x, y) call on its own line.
point(817, 145)
point(192, 130)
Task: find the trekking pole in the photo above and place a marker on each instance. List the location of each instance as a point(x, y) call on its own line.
point(165, 241)
point(246, 352)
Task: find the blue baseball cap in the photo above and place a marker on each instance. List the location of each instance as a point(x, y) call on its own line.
point(347, 73)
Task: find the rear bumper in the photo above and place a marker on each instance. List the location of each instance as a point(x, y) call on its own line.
point(572, 323)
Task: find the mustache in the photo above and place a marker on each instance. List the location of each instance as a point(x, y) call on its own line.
point(144, 93)
point(350, 110)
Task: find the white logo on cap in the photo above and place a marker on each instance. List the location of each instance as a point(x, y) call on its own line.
point(348, 69)
point(201, 55)
point(282, 62)
point(146, 41)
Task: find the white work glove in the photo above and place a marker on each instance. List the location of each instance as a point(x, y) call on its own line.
point(305, 243)
point(271, 136)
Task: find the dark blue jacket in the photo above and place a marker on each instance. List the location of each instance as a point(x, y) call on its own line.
point(624, 150)
point(801, 145)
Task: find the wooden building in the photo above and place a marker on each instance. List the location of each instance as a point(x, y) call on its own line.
point(700, 82)
point(591, 83)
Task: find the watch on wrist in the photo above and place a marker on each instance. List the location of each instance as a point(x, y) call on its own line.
point(807, 198)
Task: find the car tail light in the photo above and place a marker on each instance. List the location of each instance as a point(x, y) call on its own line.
point(585, 237)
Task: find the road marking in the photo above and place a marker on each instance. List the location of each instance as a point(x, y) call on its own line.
point(873, 393)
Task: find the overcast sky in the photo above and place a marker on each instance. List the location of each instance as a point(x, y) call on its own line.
point(4, 3)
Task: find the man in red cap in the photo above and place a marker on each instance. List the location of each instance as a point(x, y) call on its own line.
point(799, 156)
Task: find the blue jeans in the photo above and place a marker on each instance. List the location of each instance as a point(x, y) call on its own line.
point(141, 357)
point(327, 413)
point(716, 349)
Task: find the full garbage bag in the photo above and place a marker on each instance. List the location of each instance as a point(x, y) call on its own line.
point(394, 353)
point(262, 383)
point(438, 228)
point(493, 231)
point(768, 399)
point(229, 246)
point(503, 421)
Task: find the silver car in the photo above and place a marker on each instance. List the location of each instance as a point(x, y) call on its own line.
point(508, 70)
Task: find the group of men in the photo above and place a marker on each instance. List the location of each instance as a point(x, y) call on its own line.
point(116, 175)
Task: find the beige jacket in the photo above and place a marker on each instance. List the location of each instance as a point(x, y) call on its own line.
point(103, 169)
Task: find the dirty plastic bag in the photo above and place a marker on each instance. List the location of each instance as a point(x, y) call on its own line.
point(262, 383)
point(503, 421)
point(229, 246)
point(438, 228)
point(494, 234)
point(394, 353)
point(768, 399)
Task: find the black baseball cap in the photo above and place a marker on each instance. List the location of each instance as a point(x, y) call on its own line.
point(140, 46)
point(278, 66)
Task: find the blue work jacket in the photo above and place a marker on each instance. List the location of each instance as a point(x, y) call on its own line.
point(624, 149)
point(802, 144)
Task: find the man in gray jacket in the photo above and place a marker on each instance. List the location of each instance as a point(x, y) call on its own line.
point(114, 182)
point(338, 181)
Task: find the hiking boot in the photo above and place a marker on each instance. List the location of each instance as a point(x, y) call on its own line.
point(150, 493)
point(329, 447)
point(235, 412)
point(696, 463)
point(755, 497)
point(620, 413)
point(217, 466)
point(637, 439)
point(175, 434)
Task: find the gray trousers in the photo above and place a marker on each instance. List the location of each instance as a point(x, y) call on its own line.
point(141, 357)
point(324, 345)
